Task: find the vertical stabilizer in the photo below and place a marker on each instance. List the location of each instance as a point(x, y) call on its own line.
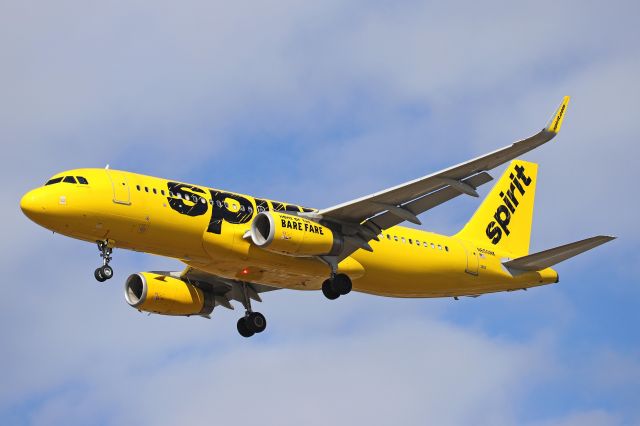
point(504, 218)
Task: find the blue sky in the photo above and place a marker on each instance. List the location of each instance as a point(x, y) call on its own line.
point(318, 103)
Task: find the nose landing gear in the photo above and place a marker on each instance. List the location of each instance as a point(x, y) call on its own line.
point(104, 272)
point(338, 285)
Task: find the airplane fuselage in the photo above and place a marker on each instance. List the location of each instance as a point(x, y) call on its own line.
point(206, 228)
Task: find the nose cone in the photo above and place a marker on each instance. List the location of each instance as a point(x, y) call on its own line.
point(32, 204)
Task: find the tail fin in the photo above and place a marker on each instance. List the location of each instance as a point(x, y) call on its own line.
point(504, 218)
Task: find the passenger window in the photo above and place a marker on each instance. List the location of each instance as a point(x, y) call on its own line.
point(410, 241)
point(69, 179)
point(250, 209)
point(154, 191)
point(203, 201)
point(53, 181)
point(439, 247)
point(403, 240)
point(138, 187)
point(417, 242)
point(446, 248)
point(292, 208)
point(433, 246)
point(388, 237)
point(261, 205)
point(162, 191)
point(82, 180)
point(146, 189)
point(425, 244)
point(226, 205)
point(395, 237)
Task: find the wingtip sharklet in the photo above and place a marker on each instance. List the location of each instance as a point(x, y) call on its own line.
point(555, 123)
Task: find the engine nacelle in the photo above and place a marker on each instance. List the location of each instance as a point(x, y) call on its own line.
point(166, 295)
point(293, 235)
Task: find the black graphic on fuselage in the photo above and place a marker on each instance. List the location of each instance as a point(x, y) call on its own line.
point(225, 206)
point(496, 228)
point(186, 199)
point(222, 210)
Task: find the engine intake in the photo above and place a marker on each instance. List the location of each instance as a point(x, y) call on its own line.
point(293, 235)
point(166, 295)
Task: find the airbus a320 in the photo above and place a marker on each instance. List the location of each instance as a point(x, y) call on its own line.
point(237, 247)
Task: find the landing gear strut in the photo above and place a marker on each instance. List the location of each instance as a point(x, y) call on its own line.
point(336, 286)
point(252, 322)
point(104, 272)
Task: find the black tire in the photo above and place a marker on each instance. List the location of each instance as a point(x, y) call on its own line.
point(107, 272)
point(328, 290)
point(342, 284)
point(98, 275)
point(243, 328)
point(256, 322)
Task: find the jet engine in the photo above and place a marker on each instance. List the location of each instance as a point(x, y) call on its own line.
point(293, 235)
point(161, 294)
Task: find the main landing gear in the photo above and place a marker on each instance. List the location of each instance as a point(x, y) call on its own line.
point(104, 272)
point(252, 322)
point(336, 286)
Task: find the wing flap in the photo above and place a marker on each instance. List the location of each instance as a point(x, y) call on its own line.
point(547, 258)
point(388, 219)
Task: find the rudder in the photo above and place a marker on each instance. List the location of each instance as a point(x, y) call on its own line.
point(504, 218)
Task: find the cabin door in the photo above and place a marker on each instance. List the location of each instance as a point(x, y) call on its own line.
point(120, 184)
point(472, 259)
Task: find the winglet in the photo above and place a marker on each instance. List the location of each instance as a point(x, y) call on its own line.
point(556, 121)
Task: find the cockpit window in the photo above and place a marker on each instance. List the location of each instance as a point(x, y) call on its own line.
point(82, 180)
point(69, 179)
point(53, 181)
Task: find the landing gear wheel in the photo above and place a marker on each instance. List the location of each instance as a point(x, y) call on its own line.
point(342, 284)
point(256, 322)
point(328, 290)
point(243, 328)
point(106, 271)
point(98, 275)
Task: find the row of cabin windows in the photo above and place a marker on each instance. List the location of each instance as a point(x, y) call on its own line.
point(417, 242)
point(155, 191)
point(68, 179)
point(198, 199)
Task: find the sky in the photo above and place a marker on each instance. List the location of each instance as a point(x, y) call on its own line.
point(317, 103)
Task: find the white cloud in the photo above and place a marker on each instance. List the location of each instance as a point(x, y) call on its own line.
point(586, 418)
point(410, 371)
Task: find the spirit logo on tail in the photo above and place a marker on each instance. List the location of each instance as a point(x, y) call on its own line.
point(503, 213)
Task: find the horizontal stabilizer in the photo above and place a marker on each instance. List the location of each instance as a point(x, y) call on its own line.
point(547, 258)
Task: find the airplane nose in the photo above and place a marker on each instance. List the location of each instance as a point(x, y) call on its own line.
point(31, 205)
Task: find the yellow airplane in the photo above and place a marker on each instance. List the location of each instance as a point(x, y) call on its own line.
point(236, 246)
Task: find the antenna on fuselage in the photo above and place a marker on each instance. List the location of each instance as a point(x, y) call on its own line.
point(106, 167)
